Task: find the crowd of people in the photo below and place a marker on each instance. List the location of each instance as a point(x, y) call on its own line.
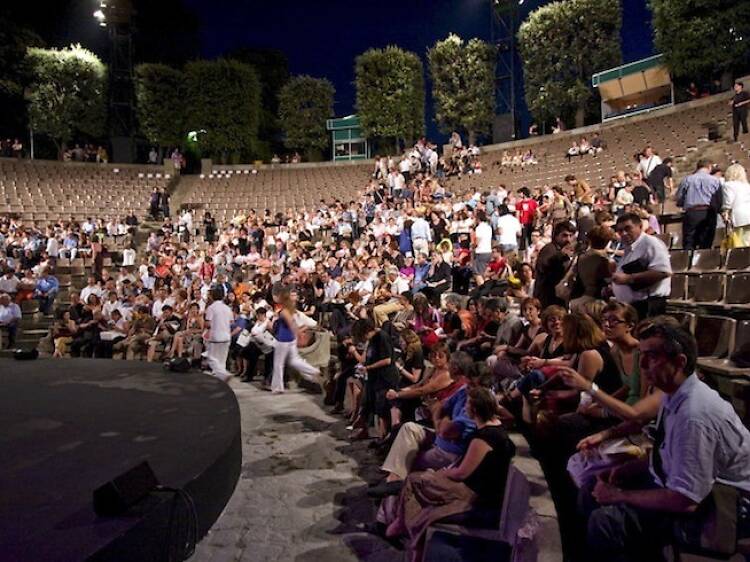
point(11, 148)
point(85, 153)
point(454, 317)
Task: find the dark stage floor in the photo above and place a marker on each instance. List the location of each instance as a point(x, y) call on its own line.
point(69, 426)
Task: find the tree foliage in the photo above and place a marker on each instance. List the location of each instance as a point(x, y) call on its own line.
point(304, 105)
point(562, 44)
point(15, 39)
point(272, 68)
point(160, 95)
point(463, 84)
point(702, 37)
point(223, 99)
point(67, 92)
point(390, 93)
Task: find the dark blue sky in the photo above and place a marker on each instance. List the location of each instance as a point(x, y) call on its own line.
point(323, 38)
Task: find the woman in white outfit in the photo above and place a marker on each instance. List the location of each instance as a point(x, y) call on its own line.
point(285, 349)
point(736, 204)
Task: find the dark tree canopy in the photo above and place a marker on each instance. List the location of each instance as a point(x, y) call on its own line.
point(463, 84)
point(702, 38)
point(390, 94)
point(67, 93)
point(160, 96)
point(562, 44)
point(223, 99)
point(304, 105)
point(15, 40)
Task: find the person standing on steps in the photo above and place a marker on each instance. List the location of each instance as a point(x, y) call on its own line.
point(700, 195)
point(740, 103)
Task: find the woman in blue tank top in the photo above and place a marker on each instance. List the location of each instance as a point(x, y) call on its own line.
point(285, 349)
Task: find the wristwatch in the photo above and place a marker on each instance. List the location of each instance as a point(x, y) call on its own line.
point(593, 390)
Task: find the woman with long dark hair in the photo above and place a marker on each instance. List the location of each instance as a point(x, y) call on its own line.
point(379, 372)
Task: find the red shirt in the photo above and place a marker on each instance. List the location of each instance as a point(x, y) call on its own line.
point(526, 211)
point(495, 266)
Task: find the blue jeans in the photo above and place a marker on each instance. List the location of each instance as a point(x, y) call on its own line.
point(621, 533)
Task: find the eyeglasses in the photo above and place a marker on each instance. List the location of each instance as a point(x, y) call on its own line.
point(612, 321)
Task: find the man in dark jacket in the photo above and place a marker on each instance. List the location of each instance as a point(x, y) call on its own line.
point(552, 263)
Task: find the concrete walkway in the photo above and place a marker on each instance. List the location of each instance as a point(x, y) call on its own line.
point(302, 489)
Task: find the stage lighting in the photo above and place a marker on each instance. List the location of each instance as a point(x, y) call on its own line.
point(101, 18)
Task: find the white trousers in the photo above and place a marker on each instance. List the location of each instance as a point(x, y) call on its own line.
point(216, 354)
point(286, 353)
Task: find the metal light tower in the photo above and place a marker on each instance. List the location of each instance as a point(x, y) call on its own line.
point(117, 17)
point(504, 28)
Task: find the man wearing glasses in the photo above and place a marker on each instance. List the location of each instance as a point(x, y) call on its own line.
point(694, 489)
point(642, 276)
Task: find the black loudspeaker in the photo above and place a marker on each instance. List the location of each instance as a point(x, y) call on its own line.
point(178, 365)
point(25, 354)
point(117, 496)
point(503, 128)
point(123, 150)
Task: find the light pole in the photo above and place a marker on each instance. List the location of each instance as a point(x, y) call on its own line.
point(27, 98)
point(117, 17)
point(504, 15)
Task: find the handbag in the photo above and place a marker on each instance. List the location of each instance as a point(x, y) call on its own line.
point(265, 341)
point(564, 289)
point(244, 338)
point(733, 238)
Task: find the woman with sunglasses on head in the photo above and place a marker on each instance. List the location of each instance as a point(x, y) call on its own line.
point(642, 400)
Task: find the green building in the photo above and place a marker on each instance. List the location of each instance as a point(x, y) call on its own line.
point(348, 141)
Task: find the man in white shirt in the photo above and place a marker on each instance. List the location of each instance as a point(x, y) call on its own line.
point(92, 288)
point(88, 226)
point(112, 303)
point(642, 276)
point(331, 287)
point(219, 320)
point(432, 158)
point(396, 182)
point(122, 276)
point(162, 299)
point(9, 283)
point(508, 230)
point(482, 245)
point(648, 162)
point(364, 287)
point(421, 235)
point(128, 257)
point(10, 316)
point(53, 244)
point(186, 225)
point(404, 167)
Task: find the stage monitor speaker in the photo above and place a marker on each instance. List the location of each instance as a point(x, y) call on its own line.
point(123, 150)
point(21, 354)
point(503, 128)
point(117, 496)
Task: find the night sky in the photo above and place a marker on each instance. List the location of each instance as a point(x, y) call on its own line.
point(323, 38)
